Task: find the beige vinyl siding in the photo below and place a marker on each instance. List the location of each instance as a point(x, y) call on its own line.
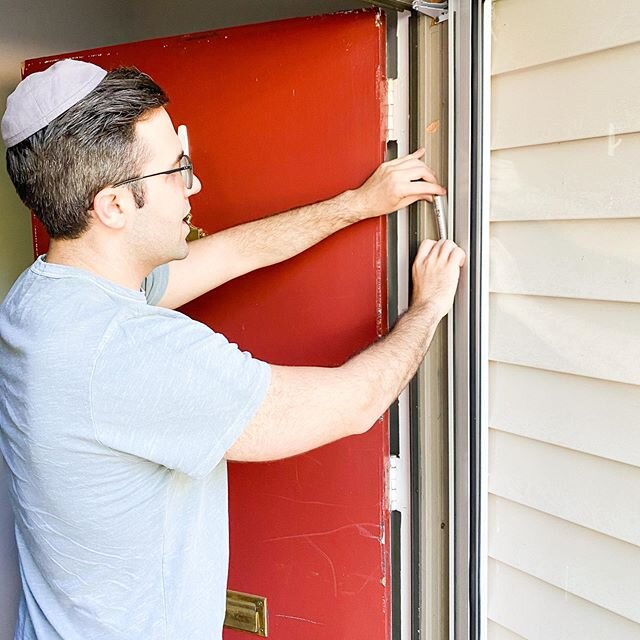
point(604, 569)
point(584, 489)
point(498, 632)
point(583, 337)
point(533, 403)
point(536, 610)
point(552, 30)
point(564, 322)
point(592, 178)
point(571, 250)
point(566, 100)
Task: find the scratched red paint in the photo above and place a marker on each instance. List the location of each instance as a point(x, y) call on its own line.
point(279, 115)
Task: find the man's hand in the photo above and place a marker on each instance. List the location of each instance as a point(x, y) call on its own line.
point(436, 271)
point(396, 184)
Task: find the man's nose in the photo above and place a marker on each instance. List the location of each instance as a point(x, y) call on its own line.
point(195, 187)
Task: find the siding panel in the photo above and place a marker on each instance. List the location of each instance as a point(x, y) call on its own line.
point(593, 492)
point(597, 339)
point(567, 259)
point(564, 325)
point(595, 178)
point(587, 564)
point(527, 33)
point(593, 416)
point(535, 106)
point(498, 632)
point(538, 611)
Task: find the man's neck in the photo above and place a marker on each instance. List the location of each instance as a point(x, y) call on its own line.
point(105, 261)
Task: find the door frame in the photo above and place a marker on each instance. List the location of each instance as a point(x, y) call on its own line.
point(420, 513)
point(448, 397)
point(431, 129)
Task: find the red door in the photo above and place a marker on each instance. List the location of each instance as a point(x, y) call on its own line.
point(279, 115)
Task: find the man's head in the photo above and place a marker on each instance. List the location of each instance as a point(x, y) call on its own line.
point(117, 130)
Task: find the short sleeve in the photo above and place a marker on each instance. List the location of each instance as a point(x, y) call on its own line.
point(155, 284)
point(170, 390)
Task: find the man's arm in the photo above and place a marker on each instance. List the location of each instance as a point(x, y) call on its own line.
point(218, 258)
point(307, 407)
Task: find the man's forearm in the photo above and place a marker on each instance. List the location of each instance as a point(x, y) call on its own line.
point(308, 407)
point(284, 235)
point(230, 253)
point(387, 366)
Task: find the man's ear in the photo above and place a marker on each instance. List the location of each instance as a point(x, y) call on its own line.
point(110, 207)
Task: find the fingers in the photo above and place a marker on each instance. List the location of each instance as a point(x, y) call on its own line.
point(430, 250)
point(451, 252)
point(425, 248)
point(416, 170)
point(446, 249)
point(423, 188)
point(443, 250)
point(411, 157)
point(418, 153)
point(417, 179)
point(436, 273)
point(458, 256)
point(397, 184)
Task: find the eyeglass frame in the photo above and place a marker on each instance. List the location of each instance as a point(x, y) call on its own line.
point(188, 179)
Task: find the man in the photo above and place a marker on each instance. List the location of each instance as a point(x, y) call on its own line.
point(117, 415)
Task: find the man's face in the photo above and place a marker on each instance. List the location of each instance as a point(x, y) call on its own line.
point(158, 231)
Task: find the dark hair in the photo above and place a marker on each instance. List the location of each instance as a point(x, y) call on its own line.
point(58, 170)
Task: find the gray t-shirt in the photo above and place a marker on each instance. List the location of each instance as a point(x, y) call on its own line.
point(114, 419)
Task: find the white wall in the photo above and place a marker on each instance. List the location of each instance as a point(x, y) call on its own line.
point(34, 28)
point(564, 387)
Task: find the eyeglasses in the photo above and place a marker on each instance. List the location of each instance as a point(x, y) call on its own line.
point(186, 169)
